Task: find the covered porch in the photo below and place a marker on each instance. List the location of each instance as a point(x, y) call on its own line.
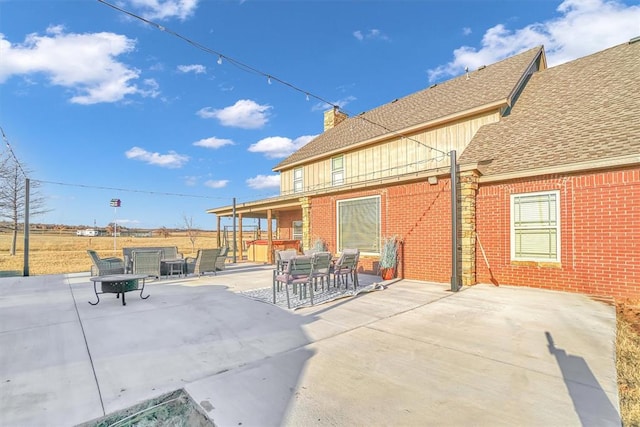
point(287, 225)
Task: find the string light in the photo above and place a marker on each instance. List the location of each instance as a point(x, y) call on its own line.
point(269, 77)
point(219, 59)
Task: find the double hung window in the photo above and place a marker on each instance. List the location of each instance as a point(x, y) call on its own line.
point(297, 230)
point(359, 224)
point(298, 180)
point(337, 170)
point(535, 226)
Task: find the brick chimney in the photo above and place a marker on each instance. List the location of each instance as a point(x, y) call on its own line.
point(332, 118)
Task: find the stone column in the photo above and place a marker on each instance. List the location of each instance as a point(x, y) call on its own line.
point(468, 192)
point(305, 204)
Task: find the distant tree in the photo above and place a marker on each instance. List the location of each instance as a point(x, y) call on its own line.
point(192, 232)
point(164, 232)
point(13, 196)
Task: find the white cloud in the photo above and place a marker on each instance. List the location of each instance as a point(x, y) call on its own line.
point(190, 180)
point(245, 113)
point(264, 181)
point(165, 9)
point(278, 146)
point(220, 183)
point(85, 63)
point(373, 34)
point(583, 27)
point(213, 142)
point(466, 31)
point(151, 89)
point(193, 68)
point(172, 160)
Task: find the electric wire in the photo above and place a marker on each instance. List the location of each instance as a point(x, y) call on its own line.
point(130, 190)
point(15, 158)
point(270, 77)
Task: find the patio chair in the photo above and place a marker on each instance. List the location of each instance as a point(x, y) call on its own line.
point(105, 266)
point(282, 257)
point(298, 275)
point(346, 267)
point(221, 259)
point(205, 261)
point(147, 262)
point(321, 269)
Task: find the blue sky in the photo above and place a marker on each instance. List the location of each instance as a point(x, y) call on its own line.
point(100, 105)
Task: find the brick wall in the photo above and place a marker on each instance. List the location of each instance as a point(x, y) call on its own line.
point(285, 223)
point(600, 234)
point(418, 213)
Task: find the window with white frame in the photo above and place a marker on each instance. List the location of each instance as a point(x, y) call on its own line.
point(337, 170)
point(535, 226)
point(297, 230)
point(358, 224)
point(298, 181)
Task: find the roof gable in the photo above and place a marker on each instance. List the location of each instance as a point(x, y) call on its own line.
point(489, 85)
point(581, 111)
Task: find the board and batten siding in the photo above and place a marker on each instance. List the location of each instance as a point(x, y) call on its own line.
point(393, 157)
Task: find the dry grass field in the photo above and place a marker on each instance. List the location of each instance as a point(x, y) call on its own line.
point(64, 253)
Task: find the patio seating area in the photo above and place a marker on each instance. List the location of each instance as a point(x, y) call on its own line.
point(303, 278)
point(157, 262)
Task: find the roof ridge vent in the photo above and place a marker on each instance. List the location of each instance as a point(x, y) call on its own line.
point(634, 40)
point(482, 67)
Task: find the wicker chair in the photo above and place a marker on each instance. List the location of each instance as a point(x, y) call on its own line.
point(105, 266)
point(221, 259)
point(147, 262)
point(205, 261)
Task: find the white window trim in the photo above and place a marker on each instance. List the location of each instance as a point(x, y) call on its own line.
point(557, 227)
point(340, 171)
point(300, 180)
point(338, 248)
point(294, 235)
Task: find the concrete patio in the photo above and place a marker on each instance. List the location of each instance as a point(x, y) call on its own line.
point(413, 354)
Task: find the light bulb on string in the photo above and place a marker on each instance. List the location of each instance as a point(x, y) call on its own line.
point(220, 59)
point(307, 96)
point(269, 79)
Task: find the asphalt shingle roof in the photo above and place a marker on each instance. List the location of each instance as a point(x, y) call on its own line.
point(494, 83)
point(587, 109)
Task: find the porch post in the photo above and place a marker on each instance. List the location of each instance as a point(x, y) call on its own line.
point(269, 237)
point(235, 248)
point(468, 192)
point(218, 239)
point(305, 204)
point(240, 236)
